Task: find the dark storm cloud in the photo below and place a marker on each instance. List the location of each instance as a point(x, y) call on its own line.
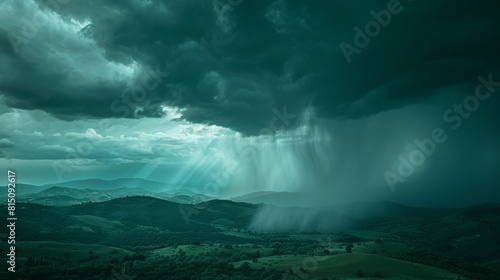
point(233, 68)
point(6, 143)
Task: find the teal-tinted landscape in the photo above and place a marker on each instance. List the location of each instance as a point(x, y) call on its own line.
point(147, 237)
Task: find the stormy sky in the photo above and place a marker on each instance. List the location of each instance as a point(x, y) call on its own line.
point(347, 100)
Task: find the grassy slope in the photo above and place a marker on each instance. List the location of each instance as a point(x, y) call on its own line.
point(345, 266)
point(76, 252)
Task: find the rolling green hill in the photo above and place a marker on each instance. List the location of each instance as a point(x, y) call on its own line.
point(351, 266)
point(151, 235)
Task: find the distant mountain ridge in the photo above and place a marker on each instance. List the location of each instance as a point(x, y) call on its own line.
point(24, 189)
point(277, 198)
point(98, 190)
point(101, 184)
point(65, 196)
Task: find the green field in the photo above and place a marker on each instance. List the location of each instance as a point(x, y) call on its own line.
point(345, 266)
point(70, 253)
point(148, 238)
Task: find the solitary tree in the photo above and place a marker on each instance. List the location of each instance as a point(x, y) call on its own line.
point(349, 247)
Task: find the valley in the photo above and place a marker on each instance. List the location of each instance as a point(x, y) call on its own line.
point(146, 237)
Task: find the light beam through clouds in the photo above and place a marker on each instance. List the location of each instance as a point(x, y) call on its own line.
point(209, 109)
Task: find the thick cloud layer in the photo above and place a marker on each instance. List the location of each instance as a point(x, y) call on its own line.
point(232, 65)
point(347, 88)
